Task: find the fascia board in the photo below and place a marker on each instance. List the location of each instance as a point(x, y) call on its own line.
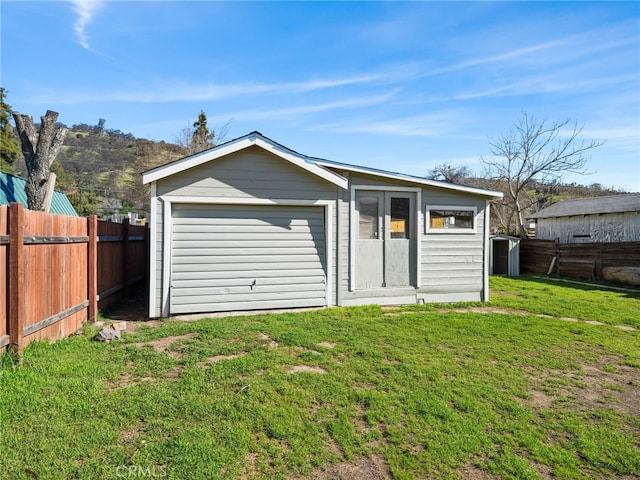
point(240, 144)
point(406, 178)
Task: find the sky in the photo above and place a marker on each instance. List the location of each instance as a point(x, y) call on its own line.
point(400, 86)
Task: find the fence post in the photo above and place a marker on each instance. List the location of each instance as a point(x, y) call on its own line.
point(16, 276)
point(92, 266)
point(557, 255)
point(125, 259)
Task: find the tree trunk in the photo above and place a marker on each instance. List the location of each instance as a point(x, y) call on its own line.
point(39, 150)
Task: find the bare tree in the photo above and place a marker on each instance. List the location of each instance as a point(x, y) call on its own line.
point(447, 172)
point(533, 151)
point(39, 151)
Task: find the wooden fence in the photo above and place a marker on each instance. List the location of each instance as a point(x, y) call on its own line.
point(56, 271)
point(619, 262)
point(122, 260)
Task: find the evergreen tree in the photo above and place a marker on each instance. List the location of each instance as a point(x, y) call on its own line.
point(201, 139)
point(9, 148)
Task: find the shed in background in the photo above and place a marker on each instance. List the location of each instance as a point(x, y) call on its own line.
point(504, 255)
point(614, 218)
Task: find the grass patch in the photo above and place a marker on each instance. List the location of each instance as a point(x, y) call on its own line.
point(562, 299)
point(427, 392)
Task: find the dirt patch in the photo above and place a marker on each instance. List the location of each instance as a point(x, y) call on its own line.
point(626, 327)
point(163, 344)
point(362, 468)
point(487, 310)
point(174, 373)
point(606, 383)
point(250, 469)
point(540, 400)
point(327, 345)
point(616, 385)
point(133, 326)
point(471, 472)
point(307, 368)
point(129, 435)
point(127, 380)
point(272, 345)
point(217, 358)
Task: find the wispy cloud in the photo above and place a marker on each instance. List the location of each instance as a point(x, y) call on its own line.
point(180, 91)
point(292, 112)
point(429, 125)
point(556, 84)
point(85, 11)
point(510, 55)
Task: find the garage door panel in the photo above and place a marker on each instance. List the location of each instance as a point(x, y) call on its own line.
point(281, 221)
point(241, 258)
point(196, 301)
point(191, 244)
point(199, 254)
point(210, 282)
point(257, 305)
point(198, 268)
point(259, 292)
point(249, 260)
point(186, 232)
point(225, 272)
point(237, 211)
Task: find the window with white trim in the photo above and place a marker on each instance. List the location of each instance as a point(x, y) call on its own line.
point(450, 219)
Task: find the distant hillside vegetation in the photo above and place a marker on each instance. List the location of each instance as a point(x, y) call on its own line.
point(100, 170)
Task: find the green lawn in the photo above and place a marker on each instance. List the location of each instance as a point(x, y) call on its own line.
point(429, 391)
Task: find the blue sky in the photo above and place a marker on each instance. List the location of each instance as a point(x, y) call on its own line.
point(402, 86)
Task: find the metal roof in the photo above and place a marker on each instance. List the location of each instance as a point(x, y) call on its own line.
point(316, 165)
point(627, 202)
point(407, 178)
point(12, 190)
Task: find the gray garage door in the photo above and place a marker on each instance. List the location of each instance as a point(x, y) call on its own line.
point(246, 257)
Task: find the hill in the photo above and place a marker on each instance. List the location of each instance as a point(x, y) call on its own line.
point(100, 170)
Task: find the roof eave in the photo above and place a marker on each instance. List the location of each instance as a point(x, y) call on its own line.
point(422, 181)
point(236, 145)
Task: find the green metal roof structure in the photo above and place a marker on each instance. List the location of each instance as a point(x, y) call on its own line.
point(12, 190)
